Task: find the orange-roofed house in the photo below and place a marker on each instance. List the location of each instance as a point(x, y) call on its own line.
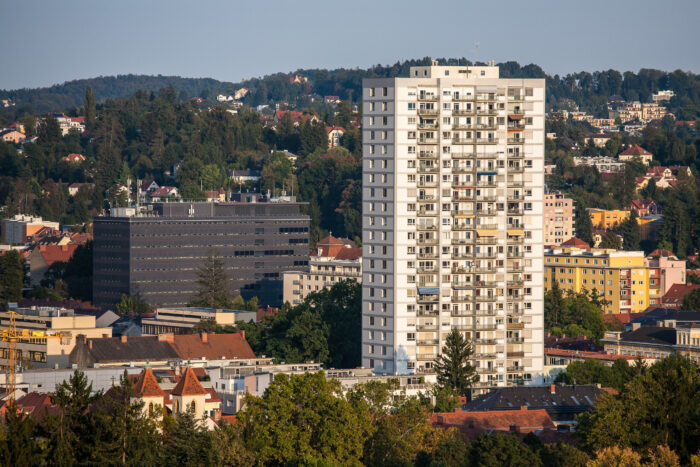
point(74, 158)
point(334, 260)
point(189, 393)
point(335, 135)
point(297, 117)
point(576, 243)
point(633, 151)
point(43, 256)
point(12, 136)
point(473, 424)
point(149, 391)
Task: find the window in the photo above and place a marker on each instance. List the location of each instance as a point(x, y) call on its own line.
point(411, 106)
point(385, 92)
point(371, 92)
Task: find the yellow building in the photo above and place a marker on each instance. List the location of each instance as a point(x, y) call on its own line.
point(622, 277)
point(607, 218)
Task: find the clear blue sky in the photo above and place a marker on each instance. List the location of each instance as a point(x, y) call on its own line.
point(49, 42)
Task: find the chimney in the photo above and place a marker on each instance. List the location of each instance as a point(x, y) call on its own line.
point(242, 333)
point(166, 337)
point(123, 339)
point(205, 337)
point(89, 343)
point(552, 389)
point(523, 408)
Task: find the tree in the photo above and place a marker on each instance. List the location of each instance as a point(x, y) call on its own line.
point(629, 229)
point(90, 109)
point(19, 443)
point(501, 449)
point(11, 276)
point(583, 224)
point(618, 457)
point(560, 454)
point(691, 301)
point(658, 407)
point(452, 365)
point(129, 305)
point(214, 283)
point(186, 441)
point(302, 419)
point(446, 400)
point(610, 240)
point(229, 449)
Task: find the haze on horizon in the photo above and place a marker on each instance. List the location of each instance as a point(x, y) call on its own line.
point(49, 42)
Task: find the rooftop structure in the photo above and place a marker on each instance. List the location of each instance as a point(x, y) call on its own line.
point(182, 320)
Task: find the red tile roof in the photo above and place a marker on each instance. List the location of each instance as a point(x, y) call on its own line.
point(635, 150)
point(586, 355)
point(147, 385)
point(674, 296)
point(188, 385)
point(212, 346)
point(661, 253)
point(576, 242)
point(53, 253)
point(349, 254)
point(338, 128)
point(74, 157)
point(163, 191)
point(230, 419)
point(474, 423)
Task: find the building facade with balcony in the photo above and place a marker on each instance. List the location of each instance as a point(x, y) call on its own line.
point(623, 278)
point(334, 260)
point(453, 188)
point(558, 218)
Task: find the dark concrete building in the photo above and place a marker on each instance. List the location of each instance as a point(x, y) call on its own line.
point(155, 251)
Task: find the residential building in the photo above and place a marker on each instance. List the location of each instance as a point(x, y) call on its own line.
point(472, 424)
point(673, 297)
point(182, 320)
point(16, 230)
point(244, 176)
point(638, 111)
point(334, 260)
point(598, 139)
point(607, 218)
point(636, 152)
point(74, 158)
point(75, 187)
point(558, 218)
point(297, 117)
point(662, 96)
point(146, 187)
point(561, 402)
point(155, 253)
point(67, 123)
point(603, 164)
point(667, 268)
point(335, 135)
point(43, 256)
point(453, 189)
point(645, 207)
point(41, 352)
point(159, 350)
point(577, 243)
point(621, 277)
point(164, 192)
point(658, 341)
point(215, 195)
point(12, 136)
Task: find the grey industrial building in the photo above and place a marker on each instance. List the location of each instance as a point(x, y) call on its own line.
point(155, 251)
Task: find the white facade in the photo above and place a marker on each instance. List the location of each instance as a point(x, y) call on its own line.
point(453, 187)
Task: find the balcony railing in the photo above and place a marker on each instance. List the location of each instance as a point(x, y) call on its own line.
point(486, 140)
point(462, 212)
point(428, 126)
point(485, 255)
point(426, 356)
point(428, 97)
point(485, 241)
point(427, 198)
point(428, 170)
point(427, 327)
point(427, 155)
point(516, 140)
point(462, 155)
point(487, 155)
point(427, 342)
point(462, 170)
point(516, 155)
point(427, 241)
point(428, 111)
point(427, 141)
point(427, 183)
point(462, 140)
point(515, 340)
point(426, 270)
point(428, 255)
point(486, 226)
point(461, 126)
point(460, 298)
point(486, 298)
point(459, 112)
point(421, 226)
point(462, 255)
point(486, 111)
point(460, 227)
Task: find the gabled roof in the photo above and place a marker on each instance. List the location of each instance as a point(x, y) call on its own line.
point(349, 254)
point(650, 335)
point(163, 191)
point(335, 128)
point(635, 150)
point(54, 253)
point(497, 420)
point(661, 253)
point(188, 385)
point(675, 294)
point(642, 203)
point(147, 385)
point(576, 242)
point(146, 184)
point(212, 346)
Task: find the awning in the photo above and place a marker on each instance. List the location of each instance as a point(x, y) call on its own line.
point(428, 290)
point(487, 173)
point(517, 232)
point(487, 232)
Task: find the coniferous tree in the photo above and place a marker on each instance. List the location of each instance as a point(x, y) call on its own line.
point(90, 109)
point(214, 284)
point(19, 443)
point(583, 225)
point(610, 240)
point(11, 276)
point(629, 229)
point(452, 366)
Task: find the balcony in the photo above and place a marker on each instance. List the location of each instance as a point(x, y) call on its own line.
point(486, 183)
point(426, 356)
point(487, 155)
point(422, 226)
point(428, 255)
point(485, 241)
point(515, 325)
point(428, 170)
point(427, 198)
point(485, 198)
point(486, 112)
point(486, 298)
point(463, 97)
point(427, 241)
point(461, 255)
point(461, 285)
point(427, 213)
point(428, 126)
point(516, 197)
point(515, 368)
point(427, 342)
point(459, 112)
point(427, 327)
point(461, 313)
point(515, 211)
point(485, 255)
point(461, 227)
point(516, 170)
point(516, 140)
point(486, 126)
point(460, 298)
point(427, 141)
point(515, 183)
point(485, 284)
point(516, 268)
point(462, 184)
point(485, 341)
point(486, 212)
point(461, 241)
point(462, 170)
point(462, 155)
point(428, 313)
point(462, 140)
point(515, 254)
point(427, 183)
point(427, 270)
point(515, 283)
point(515, 340)
point(486, 97)
point(428, 97)
point(487, 370)
point(433, 112)
point(516, 155)
point(487, 141)
point(484, 269)
point(486, 226)
point(520, 97)
point(461, 126)
point(486, 327)
point(427, 155)
point(462, 212)
point(516, 126)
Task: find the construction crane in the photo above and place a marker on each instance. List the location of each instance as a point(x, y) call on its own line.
point(11, 336)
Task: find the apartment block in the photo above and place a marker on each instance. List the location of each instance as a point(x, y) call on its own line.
point(558, 218)
point(156, 253)
point(334, 260)
point(17, 229)
point(453, 189)
point(623, 278)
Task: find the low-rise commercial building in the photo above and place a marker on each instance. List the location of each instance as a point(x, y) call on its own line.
point(334, 260)
point(182, 320)
point(42, 352)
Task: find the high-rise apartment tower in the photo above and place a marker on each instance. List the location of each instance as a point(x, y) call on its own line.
point(453, 187)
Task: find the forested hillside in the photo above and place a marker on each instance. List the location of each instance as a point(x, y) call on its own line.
point(588, 90)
